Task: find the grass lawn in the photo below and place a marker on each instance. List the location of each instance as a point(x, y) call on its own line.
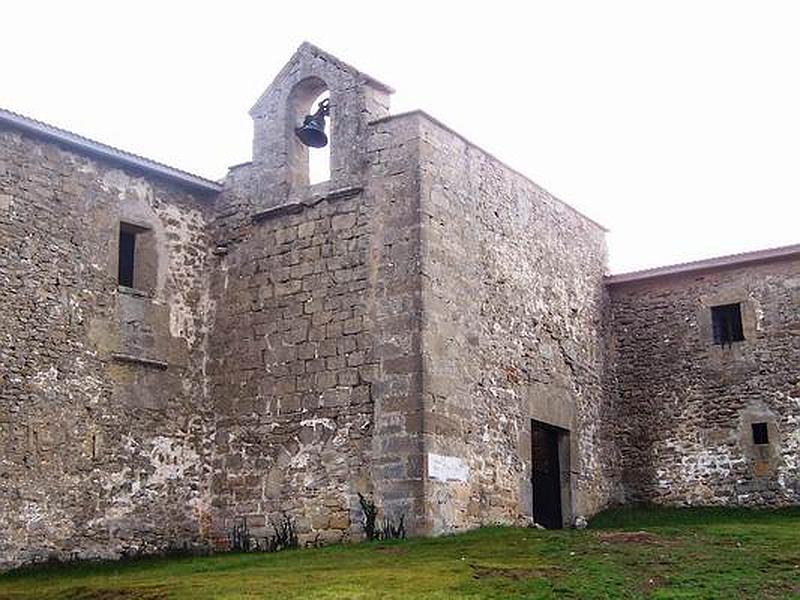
point(626, 553)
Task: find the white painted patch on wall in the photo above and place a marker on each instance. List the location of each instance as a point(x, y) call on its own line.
point(447, 468)
point(44, 379)
point(326, 423)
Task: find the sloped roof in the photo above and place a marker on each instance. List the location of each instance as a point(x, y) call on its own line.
point(307, 48)
point(708, 264)
point(100, 150)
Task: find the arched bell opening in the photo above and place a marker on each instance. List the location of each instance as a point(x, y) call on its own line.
point(319, 159)
point(309, 126)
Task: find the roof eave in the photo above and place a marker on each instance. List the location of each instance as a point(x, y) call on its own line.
point(710, 264)
point(86, 145)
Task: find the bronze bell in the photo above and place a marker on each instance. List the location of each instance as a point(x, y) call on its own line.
point(312, 132)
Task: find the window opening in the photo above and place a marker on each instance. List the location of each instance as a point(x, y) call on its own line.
point(760, 433)
point(727, 323)
point(127, 253)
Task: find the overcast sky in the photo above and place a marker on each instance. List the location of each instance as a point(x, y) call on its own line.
point(675, 124)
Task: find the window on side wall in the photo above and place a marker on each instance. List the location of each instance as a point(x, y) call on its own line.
point(726, 320)
point(136, 260)
point(760, 433)
point(127, 256)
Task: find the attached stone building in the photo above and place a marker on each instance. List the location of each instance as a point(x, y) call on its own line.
point(706, 356)
point(428, 328)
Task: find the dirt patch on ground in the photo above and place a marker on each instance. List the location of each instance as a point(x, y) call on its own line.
point(479, 572)
point(629, 537)
point(390, 550)
point(85, 593)
point(515, 573)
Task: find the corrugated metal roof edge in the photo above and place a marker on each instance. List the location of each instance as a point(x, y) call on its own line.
point(78, 142)
point(718, 262)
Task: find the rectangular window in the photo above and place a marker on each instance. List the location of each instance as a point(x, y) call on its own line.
point(760, 433)
point(727, 323)
point(127, 255)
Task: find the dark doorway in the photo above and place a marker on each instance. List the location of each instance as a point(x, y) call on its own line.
point(546, 475)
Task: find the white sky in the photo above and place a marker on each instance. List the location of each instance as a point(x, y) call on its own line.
point(675, 124)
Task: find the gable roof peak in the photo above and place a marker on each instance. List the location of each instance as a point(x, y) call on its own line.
point(306, 51)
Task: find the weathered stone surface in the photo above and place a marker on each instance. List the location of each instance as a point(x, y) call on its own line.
point(512, 331)
point(295, 417)
point(685, 405)
point(98, 456)
point(307, 329)
point(393, 331)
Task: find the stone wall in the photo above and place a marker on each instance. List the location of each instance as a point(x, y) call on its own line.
point(101, 453)
point(288, 346)
point(315, 374)
point(685, 406)
point(395, 308)
point(292, 370)
point(512, 331)
point(392, 332)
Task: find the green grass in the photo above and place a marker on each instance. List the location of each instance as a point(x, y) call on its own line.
point(692, 553)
